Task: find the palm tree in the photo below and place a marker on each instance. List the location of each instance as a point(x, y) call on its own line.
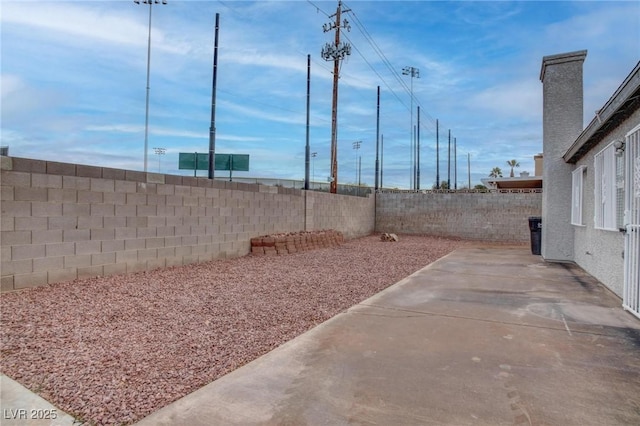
point(496, 172)
point(512, 164)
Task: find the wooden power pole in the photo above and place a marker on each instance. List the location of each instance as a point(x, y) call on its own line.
point(335, 52)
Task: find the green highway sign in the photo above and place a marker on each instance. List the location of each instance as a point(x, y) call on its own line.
point(193, 161)
point(200, 161)
point(236, 162)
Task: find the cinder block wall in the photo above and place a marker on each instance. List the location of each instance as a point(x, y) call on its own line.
point(355, 214)
point(476, 216)
point(64, 221)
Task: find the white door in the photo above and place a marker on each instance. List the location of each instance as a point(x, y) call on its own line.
point(631, 297)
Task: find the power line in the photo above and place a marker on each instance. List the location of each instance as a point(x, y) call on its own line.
point(387, 63)
point(318, 8)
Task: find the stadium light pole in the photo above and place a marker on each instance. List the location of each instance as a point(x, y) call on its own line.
point(413, 73)
point(356, 146)
point(159, 152)
point(146, 117)
point(313, 165)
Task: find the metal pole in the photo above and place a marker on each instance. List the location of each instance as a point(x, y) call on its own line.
point(413, 73)
point(437, 154)
point(469, 168)
point(455, 163)
point(413, 169)
point(356, 146)
point(377, 171)
point(381, 158)
point(146, 115)
point(418, 150)
point(159, 152)
point(449, 162)
point(212, 129)
point(307, 149)
point(313, 155)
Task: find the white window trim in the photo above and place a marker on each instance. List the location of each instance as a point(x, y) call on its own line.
point(577, 191)
point(605, 189)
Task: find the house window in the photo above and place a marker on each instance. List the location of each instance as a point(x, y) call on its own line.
point(576, 195)
point(609, 189)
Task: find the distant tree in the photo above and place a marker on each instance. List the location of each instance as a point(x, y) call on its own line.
point(479, 186)
point(443, 185)
point(512, 164)
point(496, 172)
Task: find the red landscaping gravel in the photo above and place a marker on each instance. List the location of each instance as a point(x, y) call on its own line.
point(112, 350)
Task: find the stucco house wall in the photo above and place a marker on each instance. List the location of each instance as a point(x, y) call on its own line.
point(600, 252)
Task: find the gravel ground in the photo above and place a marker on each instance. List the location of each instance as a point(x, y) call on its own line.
point(112, 350)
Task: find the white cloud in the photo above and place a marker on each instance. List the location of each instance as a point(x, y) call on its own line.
point(21, 101)
point(84, 24)
point(519, 99)
point(287, 117)
point(265, 59)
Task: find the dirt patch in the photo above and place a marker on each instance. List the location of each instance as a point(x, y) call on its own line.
point(112, 350)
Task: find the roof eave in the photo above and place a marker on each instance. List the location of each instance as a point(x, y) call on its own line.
point(627, 96)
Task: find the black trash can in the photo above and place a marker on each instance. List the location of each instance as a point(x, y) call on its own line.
point(535, 226)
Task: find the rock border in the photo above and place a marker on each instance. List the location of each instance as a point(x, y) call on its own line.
point(293, 242)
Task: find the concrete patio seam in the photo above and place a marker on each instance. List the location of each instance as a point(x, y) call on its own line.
point(424, 313)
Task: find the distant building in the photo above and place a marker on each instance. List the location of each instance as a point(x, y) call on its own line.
point(524, 181)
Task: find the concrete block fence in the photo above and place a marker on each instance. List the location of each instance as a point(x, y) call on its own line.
point(491, 216)
point(62, 221)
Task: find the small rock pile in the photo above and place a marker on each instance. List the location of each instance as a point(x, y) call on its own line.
point(279, 244)
point(389, 237)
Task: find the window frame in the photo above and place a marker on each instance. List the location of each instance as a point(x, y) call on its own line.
point(605, 189)
point(577, 196)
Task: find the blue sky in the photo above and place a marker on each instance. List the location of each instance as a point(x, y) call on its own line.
point(74, 80)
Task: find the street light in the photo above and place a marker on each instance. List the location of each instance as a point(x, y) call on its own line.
point(159, 152)
point(146, 117)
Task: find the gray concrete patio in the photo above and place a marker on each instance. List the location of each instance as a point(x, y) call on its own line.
point(484, 336)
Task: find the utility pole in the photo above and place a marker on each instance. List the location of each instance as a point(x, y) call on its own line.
point(335, 52)
point(414, 73)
